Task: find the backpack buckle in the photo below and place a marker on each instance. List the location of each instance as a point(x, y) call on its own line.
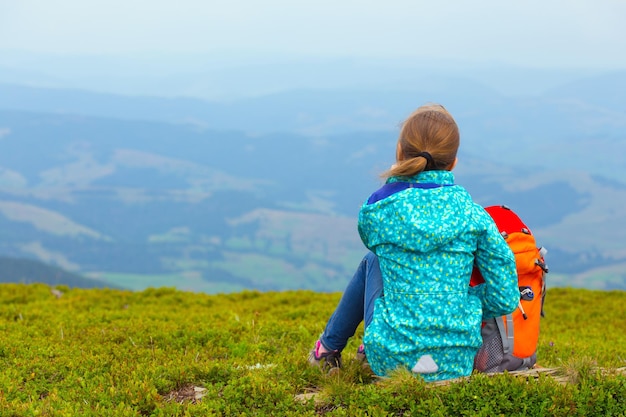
point(541, 265)
point(526, 293)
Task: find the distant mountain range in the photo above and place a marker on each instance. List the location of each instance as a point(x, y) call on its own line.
point(28, 271)
point(263, 193)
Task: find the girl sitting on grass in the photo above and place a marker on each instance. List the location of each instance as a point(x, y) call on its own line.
point(412, 290)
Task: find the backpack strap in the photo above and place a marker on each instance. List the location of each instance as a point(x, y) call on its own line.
point(506, 332)
point(395, 187)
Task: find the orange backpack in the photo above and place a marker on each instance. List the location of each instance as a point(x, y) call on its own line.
point(510, 342)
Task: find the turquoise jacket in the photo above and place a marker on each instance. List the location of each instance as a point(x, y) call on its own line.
point(427, 242)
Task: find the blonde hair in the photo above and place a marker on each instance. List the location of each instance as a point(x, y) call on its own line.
point(429, 140)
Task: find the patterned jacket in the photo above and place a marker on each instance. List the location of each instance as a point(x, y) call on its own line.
point(427, 241)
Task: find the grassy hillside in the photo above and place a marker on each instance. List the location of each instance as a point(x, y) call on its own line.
point(147, 203)
point(164, 352)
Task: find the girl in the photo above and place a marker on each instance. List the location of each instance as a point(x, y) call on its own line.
point(412, 290)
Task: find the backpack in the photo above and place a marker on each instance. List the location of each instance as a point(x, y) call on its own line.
point(510, 342)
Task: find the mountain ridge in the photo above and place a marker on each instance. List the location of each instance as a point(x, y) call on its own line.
point(30, 271)
point(187, 225)
point(220, 209)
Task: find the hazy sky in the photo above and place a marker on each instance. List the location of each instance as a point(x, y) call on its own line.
point(551, 33)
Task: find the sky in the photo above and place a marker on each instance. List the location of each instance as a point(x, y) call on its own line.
point(536, 33)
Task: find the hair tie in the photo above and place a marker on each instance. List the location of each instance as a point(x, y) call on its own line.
point(428, 157)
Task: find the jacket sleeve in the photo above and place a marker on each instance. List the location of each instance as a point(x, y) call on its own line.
point(499, 294)
point(368, 226)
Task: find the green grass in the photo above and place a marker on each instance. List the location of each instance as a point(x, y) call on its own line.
point(125, 353)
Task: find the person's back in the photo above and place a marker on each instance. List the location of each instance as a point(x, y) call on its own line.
point(425, 240)
point(426, 235)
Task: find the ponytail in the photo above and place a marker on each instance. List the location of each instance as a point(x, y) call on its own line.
point(429, 140)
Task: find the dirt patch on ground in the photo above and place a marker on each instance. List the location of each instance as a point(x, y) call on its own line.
point(187, 393)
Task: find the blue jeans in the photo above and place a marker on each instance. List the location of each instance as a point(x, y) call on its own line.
point(356, 304)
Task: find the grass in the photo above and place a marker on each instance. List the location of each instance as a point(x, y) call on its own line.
point(163, 352)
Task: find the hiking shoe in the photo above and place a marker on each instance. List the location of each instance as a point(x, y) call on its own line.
point(360, 356)
point(328, 361)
